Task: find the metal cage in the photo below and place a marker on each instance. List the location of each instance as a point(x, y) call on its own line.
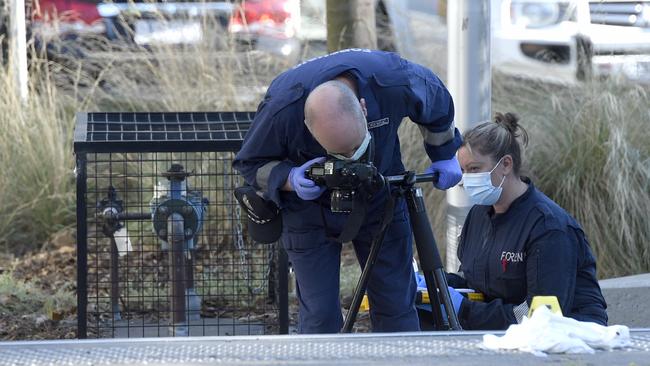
point(161, 246)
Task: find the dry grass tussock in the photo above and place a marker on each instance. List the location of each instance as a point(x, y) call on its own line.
point(589, 147)
point(37, 160)
point(589, 151)
point(36, 153)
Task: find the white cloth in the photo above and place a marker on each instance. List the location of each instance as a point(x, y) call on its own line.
point(547, 332)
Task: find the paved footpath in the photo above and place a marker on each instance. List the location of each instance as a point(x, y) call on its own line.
point(412, 349)
point(628, 300)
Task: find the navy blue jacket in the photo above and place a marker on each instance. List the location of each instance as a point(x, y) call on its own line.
point(393, 88)
point(534, 248)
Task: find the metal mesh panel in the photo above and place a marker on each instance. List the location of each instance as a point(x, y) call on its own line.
point(154, 132)
point(165, 252)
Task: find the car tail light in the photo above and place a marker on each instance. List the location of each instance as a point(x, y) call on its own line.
point(270, 17)
point(67, 16)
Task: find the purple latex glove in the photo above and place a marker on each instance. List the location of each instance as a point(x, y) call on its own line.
point(449, 173)
point(305, 188)
point(456, 298)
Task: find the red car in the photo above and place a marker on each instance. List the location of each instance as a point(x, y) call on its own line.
point(266, 25)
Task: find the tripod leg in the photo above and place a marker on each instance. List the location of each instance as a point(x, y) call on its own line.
point(439, 322)
point(430, 261)
point(441, 280)
point(360, 289)
point(370, 262)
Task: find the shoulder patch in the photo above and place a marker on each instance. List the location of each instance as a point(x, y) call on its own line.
point(378, 123)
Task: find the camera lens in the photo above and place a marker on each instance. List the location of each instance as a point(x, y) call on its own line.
point(342, 201)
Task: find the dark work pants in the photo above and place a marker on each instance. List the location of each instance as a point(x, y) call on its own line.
point(391, 288)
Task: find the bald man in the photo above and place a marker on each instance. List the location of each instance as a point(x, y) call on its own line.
point(335, 107)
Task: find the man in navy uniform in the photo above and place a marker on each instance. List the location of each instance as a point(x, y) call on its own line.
point(338, 105)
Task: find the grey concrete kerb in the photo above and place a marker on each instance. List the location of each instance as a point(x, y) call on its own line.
point(628, 299)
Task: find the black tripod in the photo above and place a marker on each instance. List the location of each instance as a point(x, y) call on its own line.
point(430, 262)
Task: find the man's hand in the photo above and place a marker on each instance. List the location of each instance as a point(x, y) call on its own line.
point(449, 173)
point(456, 298)
point(305, 188)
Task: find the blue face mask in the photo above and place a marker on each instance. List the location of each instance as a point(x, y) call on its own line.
point(359, 152)
point(479, 187)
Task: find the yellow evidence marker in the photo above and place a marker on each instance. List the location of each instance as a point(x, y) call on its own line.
point(548, 301)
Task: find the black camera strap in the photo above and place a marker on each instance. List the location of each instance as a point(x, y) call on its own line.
point(354, 221)
point(358, 215)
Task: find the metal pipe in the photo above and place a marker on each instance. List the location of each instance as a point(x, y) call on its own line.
point(176, 239)
point(115, 282)
point(126, 216)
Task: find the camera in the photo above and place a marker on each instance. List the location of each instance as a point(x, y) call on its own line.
point(349, 181)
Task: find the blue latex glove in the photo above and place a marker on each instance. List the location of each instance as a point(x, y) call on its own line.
point(456, 298)
point(305, 188)
point(420, 282)
point(449, 173)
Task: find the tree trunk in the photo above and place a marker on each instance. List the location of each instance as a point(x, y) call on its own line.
point(351, 24)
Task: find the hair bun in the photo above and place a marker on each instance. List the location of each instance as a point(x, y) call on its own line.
point(510, 122)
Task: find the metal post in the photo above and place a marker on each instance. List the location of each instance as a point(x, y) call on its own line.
point(82, 248)
point(18, 47)
point(469, 81)
point(283, 289)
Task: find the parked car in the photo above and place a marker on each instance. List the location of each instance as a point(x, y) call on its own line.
point(572, 40)
point(563, 40)
point(267, 25)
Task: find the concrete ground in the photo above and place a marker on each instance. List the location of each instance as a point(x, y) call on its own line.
point(434, 348)
point(628, 299)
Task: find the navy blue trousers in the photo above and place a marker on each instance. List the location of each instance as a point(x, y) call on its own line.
point(316, 263)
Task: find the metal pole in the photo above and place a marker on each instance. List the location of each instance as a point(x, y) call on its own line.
point(469, 81)
point(18, 47)
point(115, 282)
point(82, 248)
point(283, 289)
